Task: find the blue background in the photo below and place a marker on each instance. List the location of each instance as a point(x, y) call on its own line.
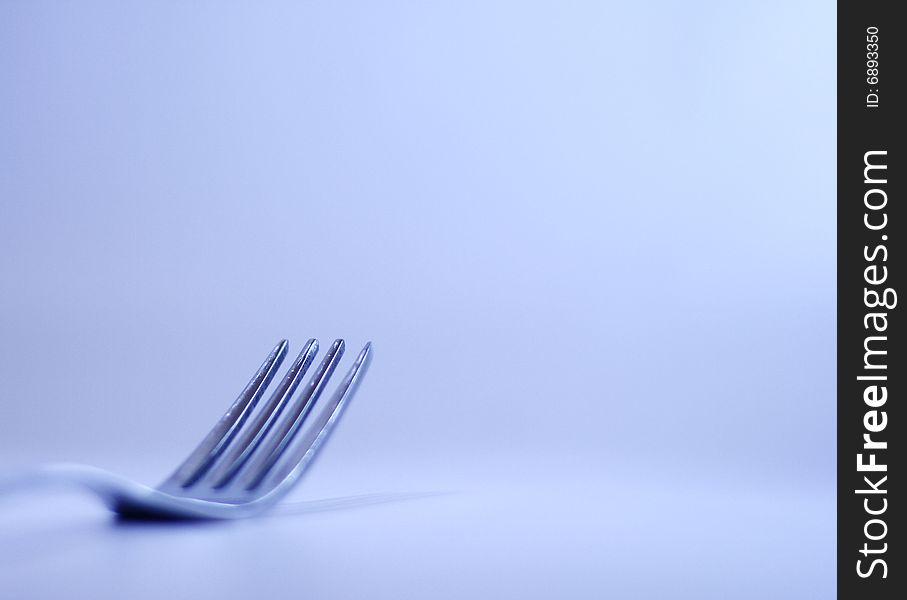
point(593, 244)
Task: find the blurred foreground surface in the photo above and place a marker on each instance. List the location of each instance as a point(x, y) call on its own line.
point(452, 536)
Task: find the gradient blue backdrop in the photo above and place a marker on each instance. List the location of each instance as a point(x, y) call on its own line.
point(593, 243)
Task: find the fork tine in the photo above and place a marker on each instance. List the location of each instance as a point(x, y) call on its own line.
point(218, 438)
point(299, 457)
point(272, 447)
point(251, 436)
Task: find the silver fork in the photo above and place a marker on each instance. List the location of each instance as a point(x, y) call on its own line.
point(247, 462)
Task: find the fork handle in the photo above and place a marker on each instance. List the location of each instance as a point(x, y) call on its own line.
point(103, 484)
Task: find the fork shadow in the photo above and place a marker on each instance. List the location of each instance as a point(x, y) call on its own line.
point(285, 509)
point(45, 541)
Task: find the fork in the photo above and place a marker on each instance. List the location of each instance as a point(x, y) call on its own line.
point(247, 462)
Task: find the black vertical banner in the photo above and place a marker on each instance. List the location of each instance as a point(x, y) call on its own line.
point(872, 372)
